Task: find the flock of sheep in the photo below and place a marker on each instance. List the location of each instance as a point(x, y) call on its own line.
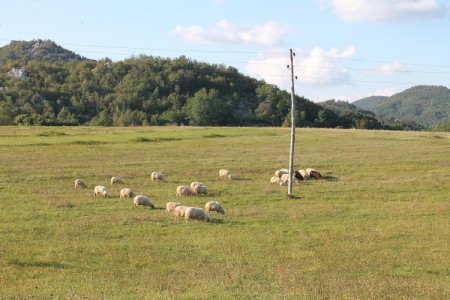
point(179, 210)
point(281, 176)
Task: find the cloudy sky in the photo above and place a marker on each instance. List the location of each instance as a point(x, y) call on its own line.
point(344, 49)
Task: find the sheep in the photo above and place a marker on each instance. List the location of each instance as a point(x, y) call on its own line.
point(200, 190)
point(304, 174)
point(214, 206)
point(194, 183)
point(170, 206)
point(127, 193)
point(157, 176)
point(280, 172)
point(179, 211)
point(313, 173)
point(275, 180)
point(142, 200)
point(80, 183)
point(225, 174)
point(298, 176)
point(196, 213)
point(183, 191)
point(285, 179)
point(116, 180)
point(101, 190)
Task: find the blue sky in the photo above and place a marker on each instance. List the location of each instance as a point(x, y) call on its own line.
point(345, 49)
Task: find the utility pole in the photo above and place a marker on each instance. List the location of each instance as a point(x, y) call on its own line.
point(291, 154)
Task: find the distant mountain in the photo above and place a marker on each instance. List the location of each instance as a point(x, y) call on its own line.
point(423, 104)
point(43, 50)
point(343, 107)
point(369, 102)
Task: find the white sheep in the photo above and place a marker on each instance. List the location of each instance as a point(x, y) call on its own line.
point(101, 190)
point(183, 191)
point(170, 206)
point(157, 176)
point(285, 179)
point(214, 206)
point(275, 180)
point(80, 183)
point(179, 211)
point(200, 190)
point(225, 174)
point(127, 193)
point(196, 213)
point(280, 172)
point(116, 180)
point(304, 174)
point(194, 183)
point(142, 200)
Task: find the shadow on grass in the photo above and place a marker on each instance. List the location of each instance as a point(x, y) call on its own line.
point(330, 178)
point(38, 264)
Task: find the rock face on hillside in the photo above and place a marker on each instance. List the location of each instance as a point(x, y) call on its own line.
point(44, 50)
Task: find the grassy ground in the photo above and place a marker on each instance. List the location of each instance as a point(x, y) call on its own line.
point(377, 227)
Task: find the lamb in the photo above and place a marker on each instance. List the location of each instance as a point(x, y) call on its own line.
point(170, 206)
point(127, 193)
point(80, 183)
point(116, 180)
point(183, 191)
point(101, 190)
point(142, 200)
point(313, 173)
point(214, 206)
point(179, 211)
point(285, 179)
point(275, 180)
point(200, 190)
point(196, 213)
point(225, 174)
point(157, 176)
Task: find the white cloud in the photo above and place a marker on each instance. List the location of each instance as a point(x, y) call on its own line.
point(267, 34)
point(389, 69)
point(318, 67)
point(388, 10)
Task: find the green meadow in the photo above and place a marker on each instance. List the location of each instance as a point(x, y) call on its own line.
point(376, 227)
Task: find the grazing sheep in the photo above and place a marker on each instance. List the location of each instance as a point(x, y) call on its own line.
point(275, 180)
point(298, 176)
point(200, 190)
point(214, 206)
point(304, 174)
point(285, 179)
point(183, 191)
point(127, 193)
point(116, 180)
point(157, 176)
point(196, 213)
point(142, 200)
point(101, 190)
point(193, 184)
point(313, 173)
point(170, 206)
point(179, 211)
point(225, 174)
point(280, 172)
point(80, 183)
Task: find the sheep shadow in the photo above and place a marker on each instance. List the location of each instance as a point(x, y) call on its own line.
point(330, 178)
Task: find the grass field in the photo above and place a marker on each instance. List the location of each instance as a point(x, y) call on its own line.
point(377, 226)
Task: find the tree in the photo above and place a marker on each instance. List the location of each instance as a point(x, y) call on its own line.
point(206, 108)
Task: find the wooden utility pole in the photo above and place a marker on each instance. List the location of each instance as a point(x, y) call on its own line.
point(291, 155)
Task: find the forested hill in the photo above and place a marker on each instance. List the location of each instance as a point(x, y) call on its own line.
point(42, 83)
point(425, 105)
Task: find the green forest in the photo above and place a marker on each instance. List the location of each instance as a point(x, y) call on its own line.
point(42, 83)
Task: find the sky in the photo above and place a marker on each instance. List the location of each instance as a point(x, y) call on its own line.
point(344, 49)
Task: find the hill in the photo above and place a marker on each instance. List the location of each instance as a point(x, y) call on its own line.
point(44, 50)
point(369, 102)
point(42, 83)
point(424, 105)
